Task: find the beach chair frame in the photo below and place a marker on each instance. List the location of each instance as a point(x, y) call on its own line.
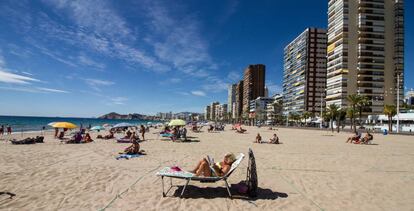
point(192, 177)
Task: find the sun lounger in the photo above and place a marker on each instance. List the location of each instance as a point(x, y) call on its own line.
point(188, 176)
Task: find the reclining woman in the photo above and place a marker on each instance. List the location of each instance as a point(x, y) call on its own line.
point(220, 168)
point(353, 138)
point(109, 136)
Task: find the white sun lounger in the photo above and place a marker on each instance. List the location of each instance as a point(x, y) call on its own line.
point(188, 176)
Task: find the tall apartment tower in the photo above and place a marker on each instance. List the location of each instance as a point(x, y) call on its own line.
point(304, 77)
point(207, 113)
point(238, 104)
point(365, 51)
point(213, 110)
point(253, 84)
point(231, 97)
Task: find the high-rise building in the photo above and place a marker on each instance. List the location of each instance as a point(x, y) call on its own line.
point(231, 97)
point(207, 113)
point(365, 51)
point(266, 92)
point(213, 110)
point(238, 105)
point(304, 77)
point(253, 84)
point(409, 97)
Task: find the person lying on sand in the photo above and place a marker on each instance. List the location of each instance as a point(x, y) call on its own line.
point(355, 137)
point(365, 140)
point(258, 139)
point(221, 168)
point(109, 136)
point(133, 149)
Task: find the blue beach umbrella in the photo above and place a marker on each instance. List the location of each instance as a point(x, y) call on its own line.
point(123, 124)
point(98, 128)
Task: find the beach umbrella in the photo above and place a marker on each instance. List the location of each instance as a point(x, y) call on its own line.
point(177, 122)
point(123, 124)
point(51, 124)
point(107, 125)
point(66, 125)
point(98, 128)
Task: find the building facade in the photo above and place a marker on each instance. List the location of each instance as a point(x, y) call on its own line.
point(231, 99)
point(213, 110)
point(238, 105)
point(207, 113)
point(304, 77)
point(365, 51)
point(253, 85)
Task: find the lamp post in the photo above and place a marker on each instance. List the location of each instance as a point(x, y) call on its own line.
point(398, 102)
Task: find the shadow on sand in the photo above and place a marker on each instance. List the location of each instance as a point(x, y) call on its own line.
point(194, 192)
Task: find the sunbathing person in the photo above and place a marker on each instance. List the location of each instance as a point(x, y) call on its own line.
point(133, 149)
point(240, 130)
point(220, 168)
point(274, 140)
point(109, 136)
point(367, 138)
point(76, 139)
point(355, 137)
point(128, 135)
point(258, 139)
point(61, 135)
point(87, 138)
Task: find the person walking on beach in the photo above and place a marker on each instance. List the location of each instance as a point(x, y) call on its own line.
point(9, 130)
point(142, 128)
point(2, 130)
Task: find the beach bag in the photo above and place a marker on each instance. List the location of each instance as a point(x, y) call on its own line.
point(251, 178)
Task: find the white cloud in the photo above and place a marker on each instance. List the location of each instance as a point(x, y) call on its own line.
point(97, 83)
point(198, 93)
point(51, 90)
point(32, 89)
point(118, 101)
point(8, 77)
point(89, 62)
point(234, 76)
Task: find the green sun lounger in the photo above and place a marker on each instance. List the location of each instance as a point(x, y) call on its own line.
point(188, 176)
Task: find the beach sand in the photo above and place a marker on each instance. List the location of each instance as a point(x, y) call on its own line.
point(311, 170)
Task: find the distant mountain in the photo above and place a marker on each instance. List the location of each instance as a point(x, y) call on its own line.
point(114, 115)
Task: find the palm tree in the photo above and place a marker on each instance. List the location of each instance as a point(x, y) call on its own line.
point(333, 110)
point(342, 112)
point(306, 115)
point(354, 101)
point(362, 103)
point(390, 111)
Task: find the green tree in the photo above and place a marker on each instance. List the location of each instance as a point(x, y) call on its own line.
point(362, 104)
point(306, 115)
point(353, 101)
point(390, 111)
point(341, 117)
point(333, 110)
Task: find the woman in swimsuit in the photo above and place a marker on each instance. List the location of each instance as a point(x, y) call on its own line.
point(220, 168)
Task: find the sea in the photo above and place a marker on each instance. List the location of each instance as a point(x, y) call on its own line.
point(29, 123)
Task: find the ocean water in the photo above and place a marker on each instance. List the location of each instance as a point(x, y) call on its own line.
point(24, 123)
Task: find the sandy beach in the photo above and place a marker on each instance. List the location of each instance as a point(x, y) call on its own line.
point(311, 170)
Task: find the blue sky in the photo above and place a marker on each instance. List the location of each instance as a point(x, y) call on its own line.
point(86, 58)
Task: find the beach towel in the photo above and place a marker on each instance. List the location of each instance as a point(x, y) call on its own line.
point(123, 140)
point(166, 135)
point(127, 156)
